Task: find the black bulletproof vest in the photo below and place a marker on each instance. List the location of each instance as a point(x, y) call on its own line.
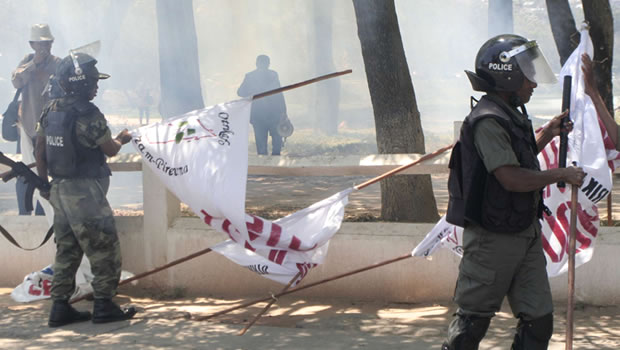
point(66, 157)
point(475, 195)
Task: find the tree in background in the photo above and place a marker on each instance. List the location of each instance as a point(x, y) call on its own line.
point(397, 119)
point(178, 58)
point(327, 96)
point(500, 17)
point(600, 18)
point(563, 28)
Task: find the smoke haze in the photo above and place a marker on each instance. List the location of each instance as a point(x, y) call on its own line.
point(440, 40)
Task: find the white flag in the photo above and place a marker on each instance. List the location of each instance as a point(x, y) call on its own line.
point(586, 148)
point(443, 235)
point(590, 147)
point(202, 157)
point(296, 243)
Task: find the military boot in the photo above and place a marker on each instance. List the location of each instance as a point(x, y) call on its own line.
point(62, 313)
point(105, 310)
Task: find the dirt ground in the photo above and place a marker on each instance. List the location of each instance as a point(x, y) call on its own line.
point(290, 324)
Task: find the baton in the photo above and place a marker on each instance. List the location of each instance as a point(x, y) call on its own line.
point(563, 133)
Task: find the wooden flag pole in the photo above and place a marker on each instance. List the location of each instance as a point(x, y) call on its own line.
point(297, 289)
point(572, 243)
point(273, 300)
point(150, 272)
point(303, 83)
point(403, 167)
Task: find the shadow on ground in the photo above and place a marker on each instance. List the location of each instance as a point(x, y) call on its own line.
point(289, 324)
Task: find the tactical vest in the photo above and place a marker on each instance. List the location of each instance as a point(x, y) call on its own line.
point(66, 157)
point(475, 195)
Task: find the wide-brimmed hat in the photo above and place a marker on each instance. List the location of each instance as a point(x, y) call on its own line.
point(41, 32)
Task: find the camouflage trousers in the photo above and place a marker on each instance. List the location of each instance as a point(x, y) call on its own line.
point(84, 224)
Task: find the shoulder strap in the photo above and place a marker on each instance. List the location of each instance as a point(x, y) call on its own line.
point(10, 238)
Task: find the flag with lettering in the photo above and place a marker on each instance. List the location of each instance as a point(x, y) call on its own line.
point(591, 148)
point(202, 157)
point(585, 147)
point(294, 244)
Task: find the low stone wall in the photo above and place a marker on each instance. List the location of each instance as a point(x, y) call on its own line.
point(355, 245)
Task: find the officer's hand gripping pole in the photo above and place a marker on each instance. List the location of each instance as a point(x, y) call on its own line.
point(566, 91)
point(31, 178)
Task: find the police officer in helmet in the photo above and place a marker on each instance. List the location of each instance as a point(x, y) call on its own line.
point(495, 188)
point(73, 140)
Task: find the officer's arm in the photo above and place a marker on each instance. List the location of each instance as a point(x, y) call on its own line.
point(517, 179)
point(494, 148)
point(40, 156)
point(111, 147)
point(551, 130)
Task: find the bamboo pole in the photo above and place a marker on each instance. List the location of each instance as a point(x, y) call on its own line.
point(273, 300)
point(297, 289)
point(300, 84)
point(150, 272)
point(572, 243)
point(403, 167)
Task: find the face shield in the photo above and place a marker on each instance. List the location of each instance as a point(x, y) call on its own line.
point(91, 50)
point(532, 62)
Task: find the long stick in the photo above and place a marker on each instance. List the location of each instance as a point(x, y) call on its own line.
point(403, 167)
point(572, 243)
point(273, 300)
point(150, 272)
point(295, 86)
point(297, 289)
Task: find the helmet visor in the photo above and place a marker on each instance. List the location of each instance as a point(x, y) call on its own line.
point(534, 65)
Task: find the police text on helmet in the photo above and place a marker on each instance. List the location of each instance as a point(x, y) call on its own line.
point(501, 66)
point(77, 77)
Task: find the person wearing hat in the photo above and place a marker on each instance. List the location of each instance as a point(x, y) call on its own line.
point(268, 113)
point(31, 76)
point(73, 140)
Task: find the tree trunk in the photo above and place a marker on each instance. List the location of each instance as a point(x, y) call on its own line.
point(327, 96)
point(598, 14)
point(563, 28)
point(179, 71)
point(500, 17)
point(397, 119)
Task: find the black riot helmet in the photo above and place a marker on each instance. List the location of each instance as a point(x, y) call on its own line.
point(505, 60)
point(77, 74)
